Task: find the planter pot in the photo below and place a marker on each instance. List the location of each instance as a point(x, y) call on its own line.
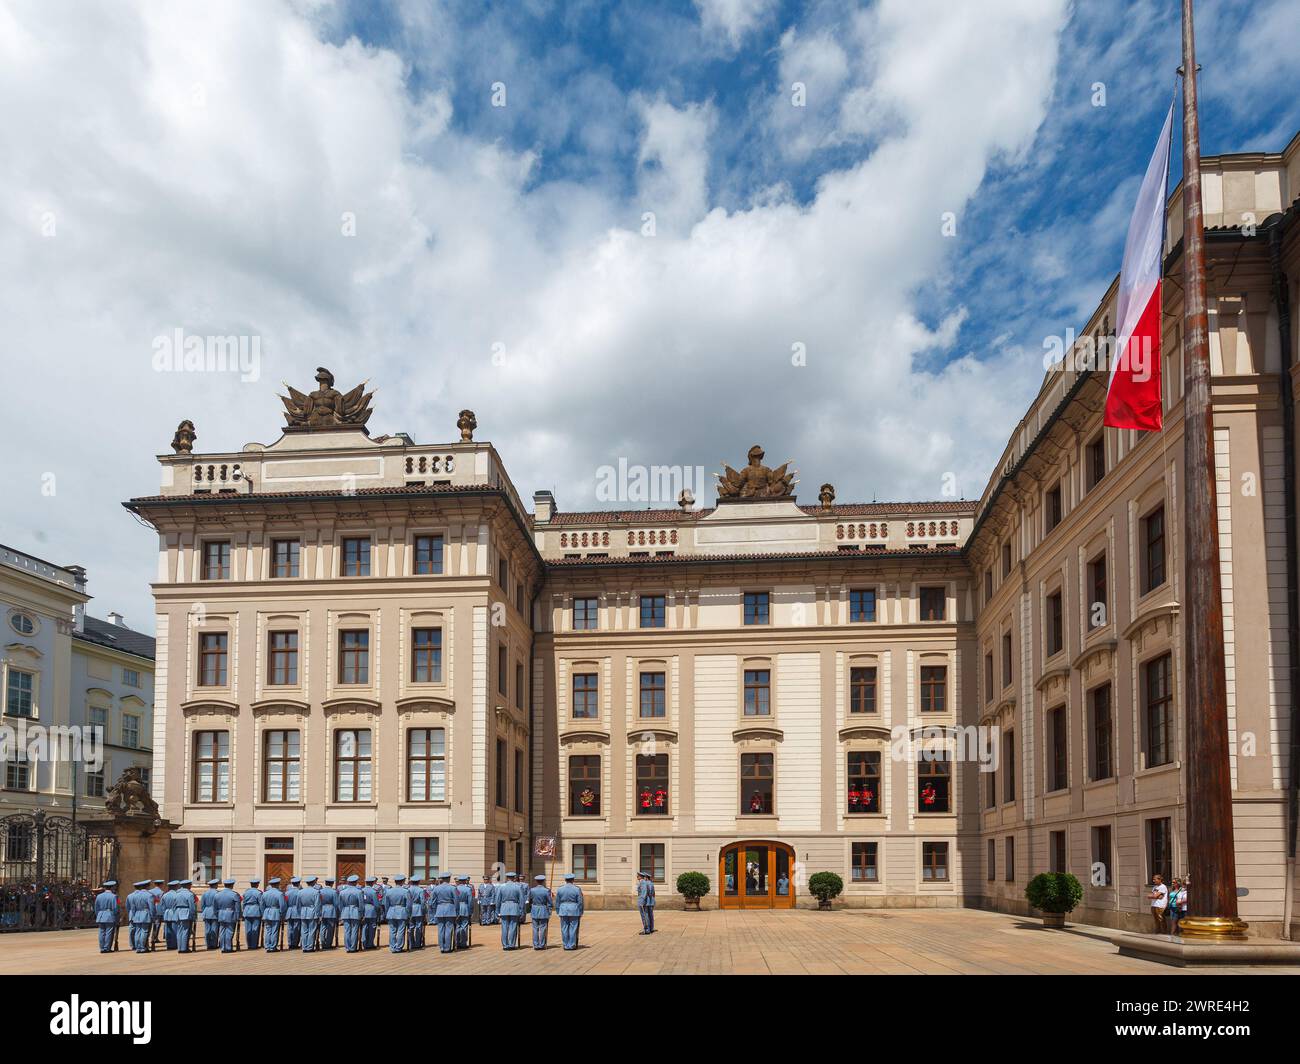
point(692, 905)
point(824, 906)
point(1054, 920)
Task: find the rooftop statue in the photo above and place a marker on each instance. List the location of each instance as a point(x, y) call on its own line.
point(326, 408)
point(755, 481)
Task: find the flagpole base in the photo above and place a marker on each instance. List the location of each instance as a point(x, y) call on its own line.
point(1212, 928)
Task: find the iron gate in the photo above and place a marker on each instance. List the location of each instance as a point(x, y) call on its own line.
point(49, 869)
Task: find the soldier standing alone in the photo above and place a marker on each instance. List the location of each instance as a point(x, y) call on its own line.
point(569, 903)
point(106, 914)
point(645, 901)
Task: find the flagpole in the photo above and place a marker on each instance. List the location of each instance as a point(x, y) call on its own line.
point(1211, 857)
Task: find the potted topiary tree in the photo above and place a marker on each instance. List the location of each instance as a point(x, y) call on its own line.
point(1054, 894)
point(825, 887)
point(693, 886)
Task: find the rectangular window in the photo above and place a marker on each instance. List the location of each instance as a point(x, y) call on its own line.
point(757, 773)
point(652, 784)
point(503, 574)
point(1010, 859)
point(285, 557)
point(17, 777)
point(426, 765)
point(864, 866)
point(862, 689)
point(519, 781)
point(352, 765)
point(428, 555)
point(1006, 558)
point(757, 607)
point(1102, 874)
point(207, 855)
point(990, 789)
point(1102, 733)
point(130, 677)
point(1052, 507)
point(1096, 461)
point(216, 560)
point(502, 780)
point(1056, 851)
point(988, 677)
point(519, 685)
point(1157, 709)
point(864, 781)
point(586, 614)
point(653, 702)
point(18, 693)
point(584, 862)
point(934, 688)
point(862, 605)
point(424, 858)
point(1008, 766)
point(1098, 607)
point(282, 658)
point(652, 861)
point(992, 861)
point(758, 692)
point(281, 766)
point(1055, 625)
point(502, 682)
point(1058, 768)
point(426, 655)
point(94, 783)
point(584, 785)
point(1159, 849)
point(130, 730)
point(355, 557)
point(212, 659)
point(212, 766)
point(934, 782)
point(933, 602)
point(1153, 549)
point(1006, 659)
point(354, 656)
point(934, 862)
point(988, 585)
point(585, 696)
point(653, 611)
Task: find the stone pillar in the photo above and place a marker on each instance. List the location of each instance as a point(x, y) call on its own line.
point(144, 845)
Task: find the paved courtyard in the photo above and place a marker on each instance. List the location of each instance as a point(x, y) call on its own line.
point(800, 942)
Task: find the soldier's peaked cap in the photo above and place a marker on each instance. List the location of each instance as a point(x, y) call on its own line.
point(274, 880)
point(568, 875)
point(540, 878)
point(295, 879)
point(110, 883)
point(230, 882)
point(354, 878)
point(142, 883)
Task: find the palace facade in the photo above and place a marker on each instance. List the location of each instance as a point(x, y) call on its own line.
point(371, 656)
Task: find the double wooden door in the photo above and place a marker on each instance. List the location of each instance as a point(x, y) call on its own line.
point(756, 875)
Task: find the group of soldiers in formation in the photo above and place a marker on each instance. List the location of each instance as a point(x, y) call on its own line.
point(306, 916)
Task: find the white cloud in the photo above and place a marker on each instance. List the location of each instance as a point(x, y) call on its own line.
point(733, 19)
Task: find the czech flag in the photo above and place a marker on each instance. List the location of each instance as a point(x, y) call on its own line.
point(1133, 396)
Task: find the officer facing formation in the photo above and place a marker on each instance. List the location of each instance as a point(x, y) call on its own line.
point(487, 902)
point(273, 907)
point(396, 900)
point(510, 903)
point(139, 911)
point(252, 907)
point(309, 915)
point(569, 904)
point(350, 912)
point(106, 914)
point(645, 902)
point(540, 899)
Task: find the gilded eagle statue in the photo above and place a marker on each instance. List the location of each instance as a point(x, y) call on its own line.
point(756, 481)
point(326, 408)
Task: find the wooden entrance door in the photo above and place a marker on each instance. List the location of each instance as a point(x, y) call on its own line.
point(350, 866)
point(756, 875)
point(278, 865)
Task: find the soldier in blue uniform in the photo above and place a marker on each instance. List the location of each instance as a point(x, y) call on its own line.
point(510, 900)
point(350, 913)
point(569, 904)
point(540, 897)
point(227, 906)
point(139, 910)
point(292, 920)
point(487, 902)
point(464, 910)
point(645, 902)
point(444, 902)
point(273, 907)
point(208, 903)
point(396, 900)
point(430, 910)
point(252, 906)
point(308, 915)
point(369, 913)
point(168, 920)
point(106, 914)
point(329, 914)
point(416, 906)
point(185, 909)
point(156, 896)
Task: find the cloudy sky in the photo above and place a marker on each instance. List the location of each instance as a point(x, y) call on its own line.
point(454, 204)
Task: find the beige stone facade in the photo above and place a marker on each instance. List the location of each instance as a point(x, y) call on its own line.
point(678, 689)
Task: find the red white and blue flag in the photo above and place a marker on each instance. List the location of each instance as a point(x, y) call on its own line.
point(1133, 397)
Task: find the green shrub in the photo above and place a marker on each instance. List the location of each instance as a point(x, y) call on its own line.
point(1054, 892)
point(693, 884)
point(825, 885)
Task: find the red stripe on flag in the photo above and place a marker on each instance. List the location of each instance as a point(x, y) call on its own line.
point(1133, 401)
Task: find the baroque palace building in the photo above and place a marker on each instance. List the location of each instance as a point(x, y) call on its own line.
point(372, 657)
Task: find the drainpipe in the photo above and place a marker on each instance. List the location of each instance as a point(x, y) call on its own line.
point(1281, 298)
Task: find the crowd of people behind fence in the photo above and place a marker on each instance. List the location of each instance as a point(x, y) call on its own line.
point(309, 915)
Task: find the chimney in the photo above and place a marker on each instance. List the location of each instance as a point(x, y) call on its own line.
point(116, 618)
point(544, 507)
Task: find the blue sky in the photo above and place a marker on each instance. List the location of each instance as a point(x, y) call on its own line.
point(192, 166)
